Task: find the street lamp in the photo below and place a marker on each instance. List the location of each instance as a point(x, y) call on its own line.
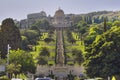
point(8, 49)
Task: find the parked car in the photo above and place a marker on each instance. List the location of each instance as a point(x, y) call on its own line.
point(98, 78)
point(16, 79)
point(89, 79)
point(43, 79)
point(95, 79)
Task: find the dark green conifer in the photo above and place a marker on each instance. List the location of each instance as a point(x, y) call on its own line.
point(10, 35)
point(105, 25)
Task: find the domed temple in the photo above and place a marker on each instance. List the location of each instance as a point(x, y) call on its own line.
point(59, 19)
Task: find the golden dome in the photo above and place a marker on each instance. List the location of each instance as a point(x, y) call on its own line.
point(59, 13)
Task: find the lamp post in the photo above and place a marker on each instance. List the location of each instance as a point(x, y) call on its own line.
point(8, 49)
point(108, 77)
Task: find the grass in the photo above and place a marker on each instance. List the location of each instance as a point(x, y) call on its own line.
point(78, 42)
point(70, 62)
point(51, 46)
point(79, 45)
point(41, 44)
point(51, 62)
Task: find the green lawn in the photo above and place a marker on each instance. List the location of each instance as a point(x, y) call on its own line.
point(79, 45)
point(52, 45)
point(41, 43)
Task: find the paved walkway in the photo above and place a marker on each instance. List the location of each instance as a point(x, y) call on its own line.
point(60, 70)
point(60, 48)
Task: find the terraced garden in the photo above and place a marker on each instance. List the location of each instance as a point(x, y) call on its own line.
point(50, 46)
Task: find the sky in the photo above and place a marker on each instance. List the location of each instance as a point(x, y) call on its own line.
point(18, 9)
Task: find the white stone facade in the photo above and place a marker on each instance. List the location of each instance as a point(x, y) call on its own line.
point(58, 20)
point(60, 71)
point(33, 18)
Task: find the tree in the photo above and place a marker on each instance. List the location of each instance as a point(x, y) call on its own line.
point(36, 29)
point(109, 25)
point(23, 58)
point(78, 56)
point(43, 56)
point(42, 61)
point(93, 32)
point(96, 20)
point(102, 56)
point(116, 23)
point(13, 69)
point(48, 40)
point(70, 38)
point(31, 35)
point(82, 26)
point(25, 43)
point(105, 25)
point(44, 52)
point(10, 35)
point(42, 24)
point(88, 19)
point(2, 61)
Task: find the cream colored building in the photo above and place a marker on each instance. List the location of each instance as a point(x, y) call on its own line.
point(34, 17)
point(60, 19)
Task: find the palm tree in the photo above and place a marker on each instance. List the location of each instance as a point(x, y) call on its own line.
point(13, 69)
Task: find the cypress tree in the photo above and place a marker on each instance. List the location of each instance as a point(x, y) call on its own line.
point(105, 25)
point(10, 35)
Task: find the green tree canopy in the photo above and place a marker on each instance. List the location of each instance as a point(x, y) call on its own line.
point(42, 61)
point(82, 26)
point(42, 24)
point(13, 69)
point(25, 42)
point(116, 23)
point(48, 40)
point(44, 52)
point(31, 35)
point(93, 32)
point(10, 35)
point(102, 57)
point(23, 58)
point(78, 56)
